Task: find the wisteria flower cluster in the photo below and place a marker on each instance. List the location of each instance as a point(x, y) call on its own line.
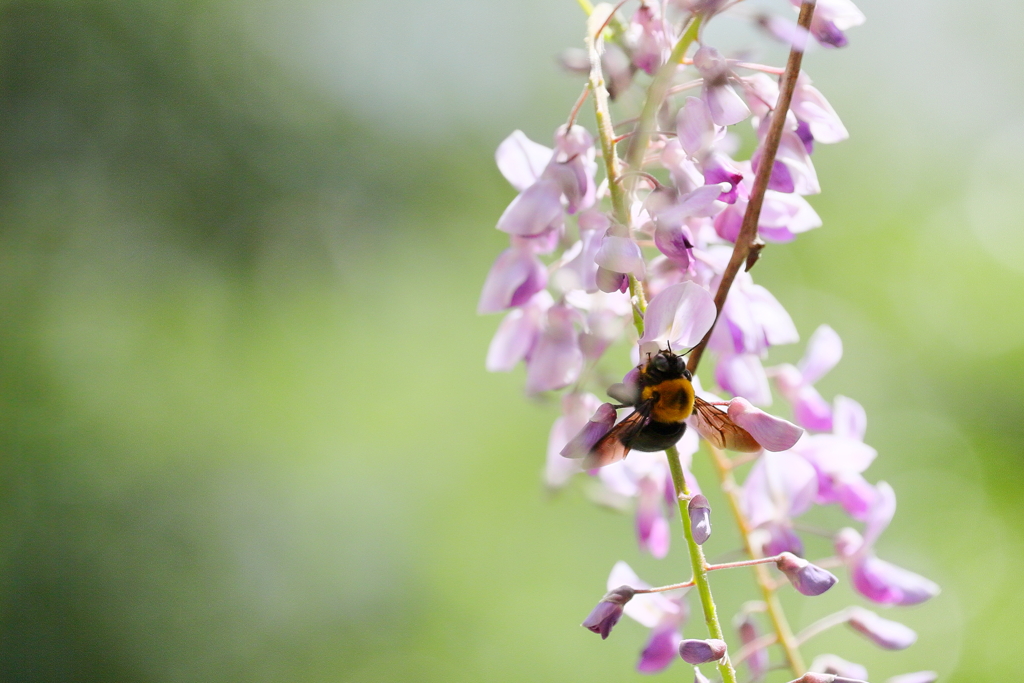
point(657, 250)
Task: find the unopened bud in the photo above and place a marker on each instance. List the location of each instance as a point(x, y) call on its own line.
point(884, 633)
point(700, 518)
point(695, 651)
point(608, 612)
point(807, 578)
point(698, 677)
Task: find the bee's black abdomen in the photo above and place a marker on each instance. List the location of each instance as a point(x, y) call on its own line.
point(656, 436)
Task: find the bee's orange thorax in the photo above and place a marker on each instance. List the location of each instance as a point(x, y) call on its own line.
point(674, 400)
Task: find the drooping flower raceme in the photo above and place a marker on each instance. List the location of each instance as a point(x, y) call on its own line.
point(650, 253)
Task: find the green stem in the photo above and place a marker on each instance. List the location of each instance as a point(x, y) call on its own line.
point(699, 565)
point(656, 94)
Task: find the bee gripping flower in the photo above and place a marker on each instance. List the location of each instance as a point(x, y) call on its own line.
point(608, 612)
point(808, 579)
point(700, 518)
point(695, 651)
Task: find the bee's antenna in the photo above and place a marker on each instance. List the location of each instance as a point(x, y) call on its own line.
point(669, 342)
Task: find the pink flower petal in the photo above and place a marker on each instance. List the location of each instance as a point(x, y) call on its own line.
point(743, 375)
point(521, 160)
point(824, 351)
point(881, 513)
point(620, 255)
point(773, 433)
point(694, 127)
point(848, 418)
point(811, 411)
point(517, 334)
point(556, 360)
point(512, 281)
point(662, 649)
point(576, 411)
point(887, 584)
point(680, 314)
point(726, 107)
point(534, 210)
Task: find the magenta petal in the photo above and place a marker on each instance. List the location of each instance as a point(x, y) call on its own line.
point(743, 375)
point(887, 584)
point(729, 222)
point(811, 411)
point(824, 350)
point(681, 314)
point(651, 526)
point(600, 424)
point(512, 281)
point(661, 649)
point(521, 160)
point(773, 433)
point(885, 633)
point(534, 210)
point(856, 496)
point(675, 242)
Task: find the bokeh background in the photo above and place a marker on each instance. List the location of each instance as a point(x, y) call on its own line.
point(245, 430)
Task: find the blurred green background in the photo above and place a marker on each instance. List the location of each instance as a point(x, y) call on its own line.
point(245, 430)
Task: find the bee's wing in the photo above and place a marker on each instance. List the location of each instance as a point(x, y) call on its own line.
point(718, 428)
point(612, 446)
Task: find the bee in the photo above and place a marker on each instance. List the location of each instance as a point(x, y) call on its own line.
point(662, 400)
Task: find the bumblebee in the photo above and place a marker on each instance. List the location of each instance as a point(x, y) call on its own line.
point(662, 400)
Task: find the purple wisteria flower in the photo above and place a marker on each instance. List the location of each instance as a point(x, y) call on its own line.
point(652, 246)
point(663, 613)
point(876, 579)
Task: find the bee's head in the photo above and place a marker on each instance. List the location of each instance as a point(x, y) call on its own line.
point(668, 365)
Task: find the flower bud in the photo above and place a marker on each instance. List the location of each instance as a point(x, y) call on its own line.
point(698, 677)
point(807, 578)
point(884, 633)
point(608, 612)
point(700, 518)
point(695, 651)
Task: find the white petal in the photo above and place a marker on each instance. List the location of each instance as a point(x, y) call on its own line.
point(521, 160)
